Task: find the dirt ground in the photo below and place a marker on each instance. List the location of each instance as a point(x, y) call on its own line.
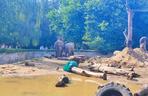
point(42, 67)
point(45, 68)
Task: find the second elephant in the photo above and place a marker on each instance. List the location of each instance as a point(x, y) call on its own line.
point(69, 49)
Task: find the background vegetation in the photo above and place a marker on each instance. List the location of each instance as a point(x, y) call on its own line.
point(99, 24)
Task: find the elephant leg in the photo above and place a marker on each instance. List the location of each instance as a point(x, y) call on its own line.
point(72, 52)
point(69, 52)
point(56, 53)
point(66, 52)
point(59, 52)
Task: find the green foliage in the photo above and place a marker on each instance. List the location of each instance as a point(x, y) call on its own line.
point(103, 25)
point(20, 23)
point(95, 43)
point(97, 23)
point(87, 37)
point(70, 21)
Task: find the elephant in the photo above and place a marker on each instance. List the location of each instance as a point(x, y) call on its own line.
point(143, 42)
point(59, 46)
point(69, 49)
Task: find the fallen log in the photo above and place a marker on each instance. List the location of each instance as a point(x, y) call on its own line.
point(89, 73)
point(72, 66)
point(112, 70)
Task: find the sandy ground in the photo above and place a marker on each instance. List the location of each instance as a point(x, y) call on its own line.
point(17, 70)
point(46, 66)
point(42, 67)
point(40, 79)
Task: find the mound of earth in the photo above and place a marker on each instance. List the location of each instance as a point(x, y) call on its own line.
point(126, 57)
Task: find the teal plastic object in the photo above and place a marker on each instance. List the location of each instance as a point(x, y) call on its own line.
point(67, 67)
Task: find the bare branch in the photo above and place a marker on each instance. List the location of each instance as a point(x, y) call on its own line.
point(125, 34)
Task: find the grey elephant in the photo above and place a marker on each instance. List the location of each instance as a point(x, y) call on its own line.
point(143, 42)
point(69, 49)
point(59, 45)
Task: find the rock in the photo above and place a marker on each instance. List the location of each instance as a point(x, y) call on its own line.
point(60, 84)
point(63, 80)
point(116, 52)
point(29, 64)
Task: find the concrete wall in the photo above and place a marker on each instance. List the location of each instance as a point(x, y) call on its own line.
point(20, 56)
point(7, 58)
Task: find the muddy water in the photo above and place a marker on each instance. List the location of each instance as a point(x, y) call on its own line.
point(45, 86)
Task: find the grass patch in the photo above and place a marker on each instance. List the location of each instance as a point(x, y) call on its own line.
point(23, 50)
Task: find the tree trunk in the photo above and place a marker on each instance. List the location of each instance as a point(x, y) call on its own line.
point(130, 28)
